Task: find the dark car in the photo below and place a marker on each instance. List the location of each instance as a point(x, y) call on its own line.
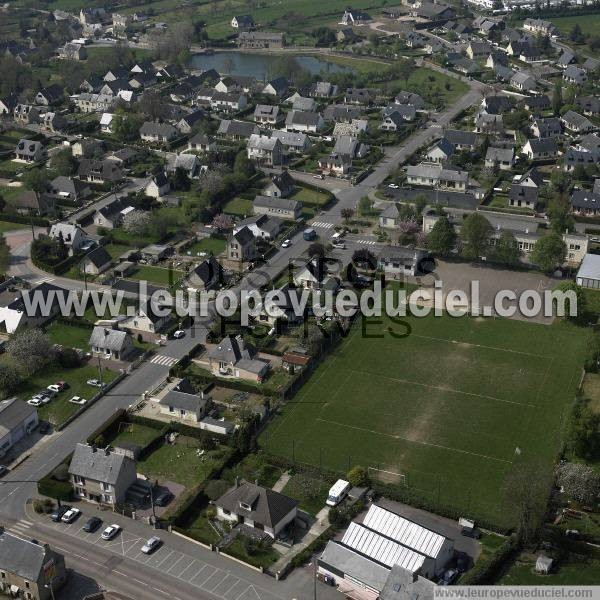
point(163, 498)
point(3, 470)
point(57, 515)
point(44, 427)
point(92, 524)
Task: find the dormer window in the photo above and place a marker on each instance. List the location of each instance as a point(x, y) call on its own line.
point(245, 506)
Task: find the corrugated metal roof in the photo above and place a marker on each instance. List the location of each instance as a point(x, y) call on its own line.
point(403, 531)
point(382, 549)
point(590, 267)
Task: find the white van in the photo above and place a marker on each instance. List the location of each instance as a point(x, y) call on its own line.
point(338, 492)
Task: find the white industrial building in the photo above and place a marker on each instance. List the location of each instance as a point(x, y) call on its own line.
point(17, 419)
point(361, 562)
point(588, 275)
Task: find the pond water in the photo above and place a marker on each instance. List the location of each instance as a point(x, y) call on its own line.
point(257, 65)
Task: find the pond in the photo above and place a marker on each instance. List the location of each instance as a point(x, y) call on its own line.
point(257, 65)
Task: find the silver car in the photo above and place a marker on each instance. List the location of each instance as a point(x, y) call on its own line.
point(152, 544)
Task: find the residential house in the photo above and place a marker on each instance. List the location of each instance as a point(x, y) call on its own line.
point(100, 171)
point(355, 17)
point(124, 157)
point(237, 130)
point(266, 114)
point(276, 87)
point(158, 186)
point(523, 196)
point(111, 343)
point(13, 313)
point(477, 50)
point(304, 122)
point(277, 206)
point(396, 261)
point(101, 476)
point(575, 75)
point(29, 151)
point(502, 158)
point(335, 165)
point(354, 129)
point(440, 152)
point(576, 122)
point(232, 358)
point(158, 132)
point(565, 59)
point(281, 307)
point(389, 217)
point(304, 104)
point(8, 104)
point(180, 402)
point(489, 124)
point(523, 82)
point(265, 150)
point(537, 104)
point(407, 111)
point(72, 51)
point(348, 145)
point(262, 226)
point(26, 564)
point(106, 122)
point(260, 39)
point(280, 186)
point(29, 202)
point(461, 139)
point(187, 123)
point(314, 275)
point(540, 27)
point(362, 96)
point(585, 203)
point(550, 127)
point(68, 189)
point(292, 142)
point(111, 215)
point(96, 262)
point(17, 420)
point(204, 276)
point(241, 246)
point(202, 143)
point(433, 174)
point(392, 122)
point(72, 235)
point(540, 149)
point(88, 103)
point(228, 101)
point(148, 321)
point(243, 22)
point(323, 89)
point(258, 507)
point(497, 105)
point(589, 105)
point(50, 95)
point(341, 113)
point(411, 99)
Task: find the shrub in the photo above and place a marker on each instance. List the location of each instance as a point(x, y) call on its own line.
point(358, 477)
point(43, 506)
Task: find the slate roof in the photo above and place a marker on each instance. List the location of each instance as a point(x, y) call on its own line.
point(183, 401)
point(12, 413)
point(237, 128)
point(109, 339)
point(98, 256)
point(276, 203)
point(585, 199)
point(230, 349)
point(268, 508)
point(97, 465)
point(21, 557)
point(243, 236)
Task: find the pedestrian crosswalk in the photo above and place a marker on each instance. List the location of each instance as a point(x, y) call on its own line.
point(165, 361)
point(44, 280)
point(20, 527)
point(366, 242)
point(322, 224)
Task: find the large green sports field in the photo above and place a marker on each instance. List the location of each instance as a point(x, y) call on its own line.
point(442, 410)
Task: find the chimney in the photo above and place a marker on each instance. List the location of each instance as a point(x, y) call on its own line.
point(237, 481)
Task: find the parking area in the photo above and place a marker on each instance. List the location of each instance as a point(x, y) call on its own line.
point(210, 579)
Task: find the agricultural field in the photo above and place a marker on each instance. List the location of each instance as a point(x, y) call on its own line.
point(446, 410)
point(589, 24)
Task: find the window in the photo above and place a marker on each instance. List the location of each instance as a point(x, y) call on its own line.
point(226, 512)
point(107, 498)
point(79, 479)
point(106, 487)
point(27, 584)
point(171, 409)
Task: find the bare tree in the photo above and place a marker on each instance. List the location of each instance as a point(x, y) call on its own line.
point(579, 481)
point(137, 222)
point(30, 350)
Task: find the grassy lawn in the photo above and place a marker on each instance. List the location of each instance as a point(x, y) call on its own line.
point(118, 235)
point(6, 226)
point(71, 336)
point(400, 404)
point(589, 23)
point(311, 493)
point(134, 433)
point(200, 529)
point(116, 250)
point(12, 166)
point(239, 207)
point(206, 245)
point(310, 197)
point(259, 558)
point(59, 408)
point(158, 275)
point(572, 570)
point(180, 462)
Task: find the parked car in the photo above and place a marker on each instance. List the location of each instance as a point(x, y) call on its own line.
point(44, 427)
point(57, 515)
point(3, 470)
point(318, 176)
point(59, 386)
point(163, 498)
point(151, 545)
point(70, 515)
point(110, 532)
point(95, 382)
point(394, 186)
point(78, 400)
point(178, 334)
point(286, 243)
point(34, 402)
point(92, 524)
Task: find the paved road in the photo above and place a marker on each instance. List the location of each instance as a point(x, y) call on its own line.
point(14, 495)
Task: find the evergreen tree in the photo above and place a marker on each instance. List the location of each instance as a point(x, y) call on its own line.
point(442, 237)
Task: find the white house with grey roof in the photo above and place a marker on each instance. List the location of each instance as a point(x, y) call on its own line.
point(17, 419)
point(292, 142)
point(258, 507)
point(158, 132)
point(265, 150)
point(232, 358)
point(501, 158)
point(29, 151)
point(179, 401)
point(111, 343)
point(304, 121)
point(73, 236)
point(101, 476)
point(25, 566)
point(283, 208)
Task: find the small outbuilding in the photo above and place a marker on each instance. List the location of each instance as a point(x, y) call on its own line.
point(543, 564)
